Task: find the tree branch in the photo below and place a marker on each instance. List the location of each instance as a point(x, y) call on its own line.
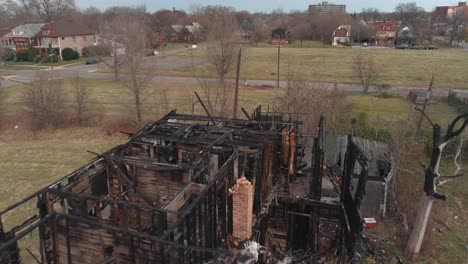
point(424, 114)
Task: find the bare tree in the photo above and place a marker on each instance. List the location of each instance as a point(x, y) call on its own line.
point(80, 101)
point(366, 70)
point(217, 96)
point(260, 30)
point(432, 179)
point(45, 100)
point(455, 24)
point(305, 97)
point(224, 39)
point(370, 14)
point(49, 10)
point(139, 71)
point(113, 35)
point(323, 26)
point(408, 12)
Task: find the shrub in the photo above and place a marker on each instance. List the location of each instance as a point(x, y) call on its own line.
point(69, 54)
point(8, 55)
point(22, 55)
point(31, 54)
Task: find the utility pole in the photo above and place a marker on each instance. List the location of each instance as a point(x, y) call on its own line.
point(278, 72)
point(236, 95)
point(426, 102)
point(51, 55)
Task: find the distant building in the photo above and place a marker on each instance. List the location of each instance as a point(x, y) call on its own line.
point(21, 37)
point(405, 36)
point(385, 32)
point(445, 12)
point(326, 8)
point(341, 35)
point(281, 36)
point(63, 34)
point(185, 33)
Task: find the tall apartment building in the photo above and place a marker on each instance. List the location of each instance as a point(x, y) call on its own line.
point(326, 8)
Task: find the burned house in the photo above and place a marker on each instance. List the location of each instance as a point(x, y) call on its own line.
point(379, 171)
point(195, 189)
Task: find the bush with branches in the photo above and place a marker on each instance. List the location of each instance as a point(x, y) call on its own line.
point(70, 54)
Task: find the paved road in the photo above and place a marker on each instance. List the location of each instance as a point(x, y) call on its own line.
point(13, 77)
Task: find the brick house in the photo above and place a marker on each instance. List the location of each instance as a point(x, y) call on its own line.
point(283, 34)
point(341, 35)
point(385, 32)
point(185, 33)
point(62, 35)
point(21, 37)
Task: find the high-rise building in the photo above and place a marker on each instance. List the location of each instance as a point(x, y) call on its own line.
point(326, 8)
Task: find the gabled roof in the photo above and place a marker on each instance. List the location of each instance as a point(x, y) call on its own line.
point(178, 28)
point(27, 30)
point(385, 25)
point(64, 29)
point(194, 28)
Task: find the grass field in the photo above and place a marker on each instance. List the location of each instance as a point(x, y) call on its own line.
point(113, 99)
point(29, 162)
point(396, 67)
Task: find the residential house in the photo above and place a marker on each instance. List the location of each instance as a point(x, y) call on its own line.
point(385, 32)
point(326, 8)
point(21, 37)
point(185, 33)
point(341, 35)
point(281, 36)
point(405, 36)
point(4, 41)
point(64, 34)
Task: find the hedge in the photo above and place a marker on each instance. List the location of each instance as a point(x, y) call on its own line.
point(69, 54)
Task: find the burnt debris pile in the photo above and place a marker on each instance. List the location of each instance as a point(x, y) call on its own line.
point(203, 189)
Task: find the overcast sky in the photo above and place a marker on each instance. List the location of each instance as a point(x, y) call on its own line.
point(260, 5)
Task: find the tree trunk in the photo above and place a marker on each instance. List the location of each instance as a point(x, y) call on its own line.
point(138, 108)
point(417, 235)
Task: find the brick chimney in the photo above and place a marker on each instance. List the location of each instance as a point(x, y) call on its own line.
point(242, 194)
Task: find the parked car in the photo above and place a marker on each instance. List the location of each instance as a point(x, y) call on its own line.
point(419, 96)
point(417, 47)
point(92, 61)
point(365, 45)
point(402, 46)
point(431, 47)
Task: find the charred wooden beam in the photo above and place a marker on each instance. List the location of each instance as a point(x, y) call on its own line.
point(127, 179)
point(17, 237)
point(150, 163)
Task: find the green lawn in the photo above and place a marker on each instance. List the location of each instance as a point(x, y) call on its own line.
point(29, 162)
point(396, 67)
point(393, 109)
